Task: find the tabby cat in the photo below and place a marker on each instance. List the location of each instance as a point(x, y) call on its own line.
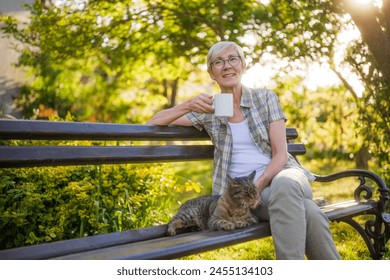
point(229, 211)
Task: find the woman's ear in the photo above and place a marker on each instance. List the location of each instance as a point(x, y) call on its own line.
point(244, 65)
point(244, 69)
point(211, 75)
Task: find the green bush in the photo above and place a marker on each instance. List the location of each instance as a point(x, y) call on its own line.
point(55, 203)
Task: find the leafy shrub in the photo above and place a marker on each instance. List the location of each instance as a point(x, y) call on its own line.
point(55, 203)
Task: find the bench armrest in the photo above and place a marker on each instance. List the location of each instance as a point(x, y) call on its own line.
point(361, 174)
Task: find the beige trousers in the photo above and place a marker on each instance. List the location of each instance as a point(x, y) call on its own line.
point(298, 225)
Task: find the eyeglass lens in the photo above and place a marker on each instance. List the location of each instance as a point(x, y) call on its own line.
point(220, 63)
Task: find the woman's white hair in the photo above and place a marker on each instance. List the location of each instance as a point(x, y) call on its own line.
point(219, 47)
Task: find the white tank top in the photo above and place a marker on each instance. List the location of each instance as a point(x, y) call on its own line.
point(246, 156)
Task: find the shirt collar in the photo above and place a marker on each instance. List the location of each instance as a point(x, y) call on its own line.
point(246, 98)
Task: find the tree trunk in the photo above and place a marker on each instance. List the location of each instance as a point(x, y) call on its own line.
point(375, 32)
point(175, 86)
point(362, 157)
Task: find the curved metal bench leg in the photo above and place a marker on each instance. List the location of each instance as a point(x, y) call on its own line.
point(375, 233)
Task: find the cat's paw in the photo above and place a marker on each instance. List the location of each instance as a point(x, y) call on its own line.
point(253, 220)
point(241, 224)
point(171, 231)
point(227, 226)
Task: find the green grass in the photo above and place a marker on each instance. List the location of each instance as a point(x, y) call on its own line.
point(348, 242)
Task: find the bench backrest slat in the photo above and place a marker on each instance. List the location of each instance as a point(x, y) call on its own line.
point(69, 155)
point(78, 155)
point(48, 130)
point(34, 155)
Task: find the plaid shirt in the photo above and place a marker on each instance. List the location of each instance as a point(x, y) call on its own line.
point(260, 107)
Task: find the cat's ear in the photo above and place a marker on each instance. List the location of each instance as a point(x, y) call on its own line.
point(230, 180)
point(252, 175)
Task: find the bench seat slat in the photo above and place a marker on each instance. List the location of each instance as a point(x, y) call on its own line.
point(151, 242)
point(197, 242)
point(348, 209)
point(73, 246)
point(178, 246)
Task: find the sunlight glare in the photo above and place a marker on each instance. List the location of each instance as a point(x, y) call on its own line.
point(362, 2)
point(261, 75)
point(264, 2)
point(377, 3)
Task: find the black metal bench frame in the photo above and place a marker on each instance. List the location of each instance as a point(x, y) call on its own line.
point(151, 242)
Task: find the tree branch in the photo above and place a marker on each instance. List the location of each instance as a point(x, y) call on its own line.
point(374, 35)
point(345, 82)
point(386, 14)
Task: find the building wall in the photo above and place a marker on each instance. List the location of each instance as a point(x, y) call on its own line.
point(13, 5)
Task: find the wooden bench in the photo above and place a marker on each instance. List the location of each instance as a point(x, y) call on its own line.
point(151, 242)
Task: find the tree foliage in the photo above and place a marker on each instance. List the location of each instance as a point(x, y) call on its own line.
point(325, 124)
point(369, 57)
point(86, 57)
point(83, 56)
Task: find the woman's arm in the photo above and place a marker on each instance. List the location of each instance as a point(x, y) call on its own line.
point(177, 115)
point(277, 134)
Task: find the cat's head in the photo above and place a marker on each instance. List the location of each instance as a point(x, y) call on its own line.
point(243, 191)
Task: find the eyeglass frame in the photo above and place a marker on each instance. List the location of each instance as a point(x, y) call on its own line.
point(226, 60)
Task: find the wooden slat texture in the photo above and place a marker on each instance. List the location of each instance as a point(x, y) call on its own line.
point(296, 149)
point(29, 156)
point(348, 208)
point(73, 246)
point(49, 130)
point(175, 247)
point(74, 155)
point(152, 242)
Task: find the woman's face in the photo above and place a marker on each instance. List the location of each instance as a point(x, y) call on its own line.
point(228, 76)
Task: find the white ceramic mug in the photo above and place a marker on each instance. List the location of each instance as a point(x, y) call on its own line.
point(223, 105)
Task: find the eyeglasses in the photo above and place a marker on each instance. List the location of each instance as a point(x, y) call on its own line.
point(220, 63)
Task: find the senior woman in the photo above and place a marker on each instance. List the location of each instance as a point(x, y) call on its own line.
point(254, 139)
